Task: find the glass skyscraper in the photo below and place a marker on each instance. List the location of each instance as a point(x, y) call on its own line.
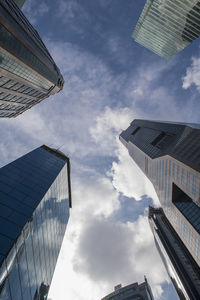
point(167, 27)
point(169, 155)
point(20, 3)
point(132, 291)
point(28, 73)
point(181, 267)
point(35, 197)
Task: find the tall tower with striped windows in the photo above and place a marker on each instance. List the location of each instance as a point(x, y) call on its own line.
point(28, 73)
point(166, 27)
point(169, 155)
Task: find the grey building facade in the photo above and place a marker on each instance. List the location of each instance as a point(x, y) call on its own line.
point(167, 27)
point(181, 267)
point(132, 291)
point(35, 198)
point(28, 73)
point(169, 155)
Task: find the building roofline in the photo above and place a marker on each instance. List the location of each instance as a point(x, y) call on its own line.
point(65, 158)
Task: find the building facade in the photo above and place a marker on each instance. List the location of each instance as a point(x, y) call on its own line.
point(35, 197)
point(28, 73)
point(169, 155)
point(181, 267)
point(20, 3)
point(132, 291)
point(167, 27)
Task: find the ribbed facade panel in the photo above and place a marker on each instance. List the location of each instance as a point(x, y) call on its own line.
point(167, 27)
point(26, 67)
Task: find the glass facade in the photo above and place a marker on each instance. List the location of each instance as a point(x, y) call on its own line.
point(182, 269)
point(167, 27)
point(35, 197)
point(133, 291)
point(20, 3)
point(25, 60)
point(173, 172)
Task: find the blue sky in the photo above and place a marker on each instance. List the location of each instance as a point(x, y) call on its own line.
point(109, 81)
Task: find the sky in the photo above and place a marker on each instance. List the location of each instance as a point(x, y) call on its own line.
point(109, 81)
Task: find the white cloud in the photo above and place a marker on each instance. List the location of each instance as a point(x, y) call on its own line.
point(118, 253)
point(129, 179)
point(192, 74)
point(108, 126)
point(34, 11)
point(83, 120)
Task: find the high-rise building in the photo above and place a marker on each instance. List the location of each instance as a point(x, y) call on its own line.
point(181, 267)
point(132, 291)
point(20, 3)
point(169, 155)
point(28, 73)
point(167, 27)
point(35, 197)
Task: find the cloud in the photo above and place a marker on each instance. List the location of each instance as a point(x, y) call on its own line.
point(34, 11)
point(192, 76)
point(69, 11)
point(86, 119)
point(108, 126)
point(128, 179)
point(119, 253)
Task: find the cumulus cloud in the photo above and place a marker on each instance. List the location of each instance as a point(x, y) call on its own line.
point(128, 179)
point(108, 126)
point(192, 74)
point(117, 252)
point(86, 121)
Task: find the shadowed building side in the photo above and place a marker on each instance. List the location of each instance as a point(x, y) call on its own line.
point(181, 267)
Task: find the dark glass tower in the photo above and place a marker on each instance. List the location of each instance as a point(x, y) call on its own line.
point(132, 291)
point(20, 3)
point(35, 197)
point(169, 155)
point(166, 27)
point(181, 267)
point(28, 73)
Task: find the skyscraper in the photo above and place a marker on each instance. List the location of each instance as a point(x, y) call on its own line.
point(28, 73)
point(132, 291)
point(35, 197)
point(169, 155)
point(181, 267)
point(167, 27)
point(20, 3)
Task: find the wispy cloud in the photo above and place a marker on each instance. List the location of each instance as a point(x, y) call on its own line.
point(34, 11)
point(86, 118)
point(192, 76)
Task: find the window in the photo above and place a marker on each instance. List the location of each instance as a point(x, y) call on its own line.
point(146, 165)
point(178, 174)
point(173, 171)
point(190, 238)
point(185, 231)
point(194, 183)
point(162, 140)
point(188, 181)
point(186, 206)
point(136, 130)
point(182, 176)
point(197, 247)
